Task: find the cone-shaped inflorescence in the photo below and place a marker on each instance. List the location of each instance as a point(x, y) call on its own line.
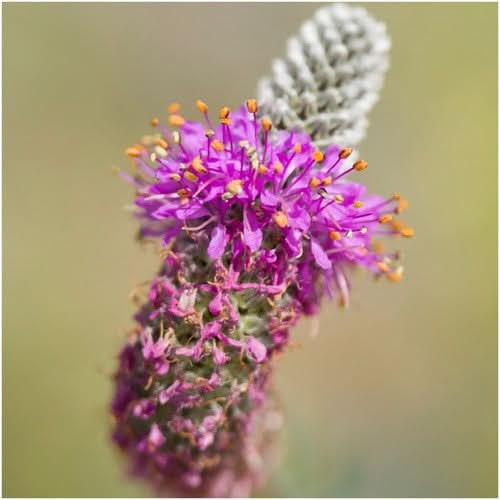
point(330, 78)
point(255, 232)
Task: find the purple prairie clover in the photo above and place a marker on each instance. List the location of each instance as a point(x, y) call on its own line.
point(256, 230)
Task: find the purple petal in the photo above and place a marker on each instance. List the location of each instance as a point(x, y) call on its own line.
point(217, 242)
point(257, 349)
point(320, 256)
point(252, 234)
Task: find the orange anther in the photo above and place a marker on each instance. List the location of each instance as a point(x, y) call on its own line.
point(266, 124)
point(396, 196)
point(314, 182)
point(217, 145)
point(402, 205)
point(252, 105)
point(278, 167)
point(225, 121)
point(297, 148)
point(135, 151)
point(280, 219)
point(198, 166)
point(262, 169)
point(224, 112)
point(383, 267)
point(396, 275)
point(335, 235)
point(327, 181)
point(154, 122)
point(317, 156)
point(176, 120)
point(189, 176)
point(407, 232)
point(345, 153)
point(173, 108)
point(162, 143)
point(202, 107)
point(385, 218)
point(183, 193)
point(360, 165)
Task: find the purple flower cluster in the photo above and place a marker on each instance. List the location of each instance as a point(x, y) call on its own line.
point(256, 231)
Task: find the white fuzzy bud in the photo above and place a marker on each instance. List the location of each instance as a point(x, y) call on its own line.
point(330, 78)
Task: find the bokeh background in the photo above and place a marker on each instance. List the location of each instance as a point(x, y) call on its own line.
point(396, 396)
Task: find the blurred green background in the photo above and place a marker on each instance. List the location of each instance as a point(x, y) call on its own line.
point(397, 396)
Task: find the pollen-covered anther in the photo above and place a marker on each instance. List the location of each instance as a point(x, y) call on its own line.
point(278, 167)
point(154, 122)
point(173, 107)
point(209, 133)
point(334, 235)
point(402, 206)
point(280, 219)
point(161, 142)
point(314, 182)
point(297, 148)
point(317, 156)
point(407, 232)
point(225, 121)
point(385, 218)
point(327, 181)
point(135, 151)
point(396, 275)
point(201, 106)
point(176, 120)
point(251, 105)
point(183, 193)
point(224, 112)
point(266, 124)
point(357, 204)
point(383, 267)
point(189, 176)
point(262, 169)
point(198, 165)
point(338, 198)
point(175, 177)
point(234, 187)
point(345, 153)
point(217, 145)
point(396, 196)
point(161, 152)
point(360, 165)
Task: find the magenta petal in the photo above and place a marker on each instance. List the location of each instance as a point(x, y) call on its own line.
point(257, 349)
point(252, 234)
point(320, 256)
point(217, 243)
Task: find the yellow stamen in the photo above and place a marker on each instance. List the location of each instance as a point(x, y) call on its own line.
point(262, 169)
point(338, 198)
point(385, 218)
point(297, 148)
point(327, 181)
point(176, 120)
point(225, 121)
point(183, 193)
point(202, 107)
point(314, 182)
point(357, 204)
point(252, 106)
point(402, 205)
point(266, 124)
point(198, 166)
point(135, 151)
point(217, 145)
point(345, 153)
point(160, 142)
point(280, 219)
point(278, 167)
point(175, 177)
point(383, 267)
point(397, 225)
point(189, 176)
point(396, 196)
point(173, 108)
point(235, 186)
point(335, 235)
point(360, 165)
point(154, 122)
point(396, 275)
point(224, 112)
point(407, 232)
point(317, 156)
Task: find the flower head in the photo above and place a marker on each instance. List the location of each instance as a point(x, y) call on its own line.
point(257, 230)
